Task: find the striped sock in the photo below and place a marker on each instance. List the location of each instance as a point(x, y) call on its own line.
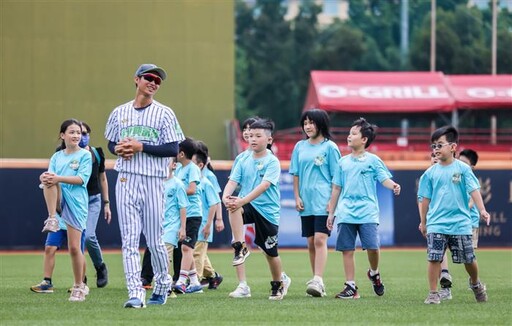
point(183, 277)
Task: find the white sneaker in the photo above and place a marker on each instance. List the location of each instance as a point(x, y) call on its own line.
point(241, 292)
point(433, 298)
point(51, 224)
point(77, 294)
point(286, 282)
point(86, 289)
point(315, 289)
point(445, 294)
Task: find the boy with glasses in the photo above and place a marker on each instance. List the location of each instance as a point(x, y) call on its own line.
point(443, 193)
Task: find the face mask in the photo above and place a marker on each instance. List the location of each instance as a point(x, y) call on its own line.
point(84, 141)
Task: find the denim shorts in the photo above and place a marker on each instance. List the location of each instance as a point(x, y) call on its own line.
point(347, 234)
point(56, 239)
point(461, 247)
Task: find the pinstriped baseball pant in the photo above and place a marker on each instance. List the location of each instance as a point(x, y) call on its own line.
point(140, 202)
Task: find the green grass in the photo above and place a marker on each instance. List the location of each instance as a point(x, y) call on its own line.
point(403, 273)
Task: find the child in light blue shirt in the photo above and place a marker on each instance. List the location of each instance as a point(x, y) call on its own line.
point(258, 175)
point(313, 165)
point(65, 183)
point(354, 203)
point(445, 221)
point(190, 174)
point(175, 211)
point(211, 202)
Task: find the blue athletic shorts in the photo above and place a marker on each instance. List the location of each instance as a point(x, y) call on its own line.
point(347, 234)
point(461, 247)
point(56, 239)
point(312, 224)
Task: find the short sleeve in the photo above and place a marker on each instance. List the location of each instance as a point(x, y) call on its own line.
point(294, 162)
point(273, 171)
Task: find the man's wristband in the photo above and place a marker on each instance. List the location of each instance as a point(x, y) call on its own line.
point(106, 202)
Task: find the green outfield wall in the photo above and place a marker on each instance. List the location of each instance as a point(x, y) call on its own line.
point(76, 59)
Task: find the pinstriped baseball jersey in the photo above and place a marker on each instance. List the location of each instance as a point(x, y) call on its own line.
point(154, 125)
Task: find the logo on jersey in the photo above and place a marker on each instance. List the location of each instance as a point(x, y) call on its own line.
point(271, 242)
point(456, 177)
point(171, 193)
point(141, 133)
point(74, 165)
point(259, 166)
point(320, 160)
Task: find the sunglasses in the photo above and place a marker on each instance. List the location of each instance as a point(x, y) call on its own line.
point(84, 133)
point(439, 146)
point(152, 78)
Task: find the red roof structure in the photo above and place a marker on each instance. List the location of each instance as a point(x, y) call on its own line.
point(481, 91)
point(379, 92)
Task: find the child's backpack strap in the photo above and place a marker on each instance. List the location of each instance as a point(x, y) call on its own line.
point(98, 158)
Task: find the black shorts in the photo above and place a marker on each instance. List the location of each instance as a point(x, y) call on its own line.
point(312, 224)
point(192, 231)
point(266, 232)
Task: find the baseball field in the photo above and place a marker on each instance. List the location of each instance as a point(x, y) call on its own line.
point(403, 273)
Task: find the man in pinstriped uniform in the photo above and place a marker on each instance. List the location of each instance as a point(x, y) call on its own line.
point(143, 133)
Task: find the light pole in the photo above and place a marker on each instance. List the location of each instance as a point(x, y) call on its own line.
point(494, 37)
point(433, 36)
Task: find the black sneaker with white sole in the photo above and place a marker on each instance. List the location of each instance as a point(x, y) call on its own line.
point(241, 253)
point(378, 287)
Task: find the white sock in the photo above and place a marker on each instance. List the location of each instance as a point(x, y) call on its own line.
point(374, 272)
point(192, 274)
point(242, 283)
point(318, 279)
point(351, 283)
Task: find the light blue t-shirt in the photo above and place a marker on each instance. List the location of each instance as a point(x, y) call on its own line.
point(240, 157)
point(209, 198)
point(188, 174)
point(75, 197)
point(475, 217)
point(213, 179)
point(250, 172)
point(62, 224)
point(358, 177)
point(315, 165)
point(448, 188)
point(175, 199)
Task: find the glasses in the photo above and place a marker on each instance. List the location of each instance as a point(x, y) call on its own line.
point(84, 133)
point(439, 146)
point(152, 78)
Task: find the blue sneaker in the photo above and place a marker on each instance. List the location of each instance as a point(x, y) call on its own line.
point(180, 288)
point(157, 299)
point(134, 303)
point(43, 287)
point(194, 289)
